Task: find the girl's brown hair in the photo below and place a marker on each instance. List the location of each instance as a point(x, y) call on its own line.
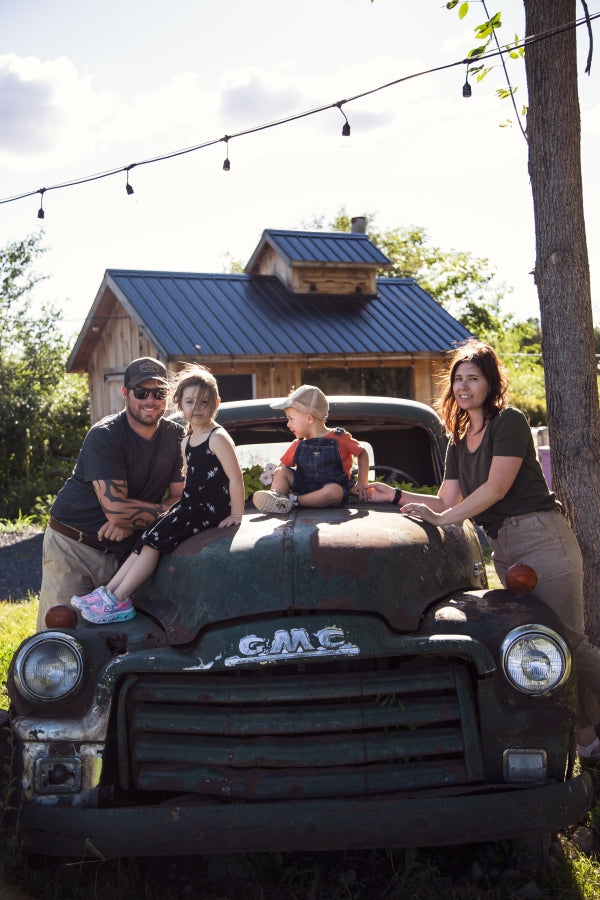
point(194, 375)
point(488, 363)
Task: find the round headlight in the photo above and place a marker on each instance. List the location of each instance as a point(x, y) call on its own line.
point(535, 659)
point(49, 666)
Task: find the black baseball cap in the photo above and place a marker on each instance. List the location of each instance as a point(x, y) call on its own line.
point(145, 367)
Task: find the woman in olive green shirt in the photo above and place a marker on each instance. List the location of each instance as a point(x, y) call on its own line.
point(493, 477)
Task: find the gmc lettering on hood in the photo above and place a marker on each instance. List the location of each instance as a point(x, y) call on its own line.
point(296, 643)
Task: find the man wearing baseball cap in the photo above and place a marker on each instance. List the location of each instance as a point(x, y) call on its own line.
point(128, 465)
point(316, 468)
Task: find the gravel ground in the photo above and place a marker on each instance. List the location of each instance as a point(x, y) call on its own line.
point(20, 563)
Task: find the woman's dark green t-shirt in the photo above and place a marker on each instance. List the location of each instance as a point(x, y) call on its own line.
point(507, 434)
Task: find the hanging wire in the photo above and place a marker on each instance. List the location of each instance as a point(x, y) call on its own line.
point(588, 65)
point(527, 41)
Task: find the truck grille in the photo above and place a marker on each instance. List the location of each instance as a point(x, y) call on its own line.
point(385, 726)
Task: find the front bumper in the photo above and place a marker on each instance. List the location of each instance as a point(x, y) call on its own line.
point(192, 827)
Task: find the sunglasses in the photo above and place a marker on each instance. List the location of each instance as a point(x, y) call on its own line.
point(142, 393)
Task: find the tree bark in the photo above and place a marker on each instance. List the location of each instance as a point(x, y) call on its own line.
point(563, 282)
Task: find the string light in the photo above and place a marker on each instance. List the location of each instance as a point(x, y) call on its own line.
point(128, 187)
point(41, 212)
point(466, 90)
point(346, 126)
point(527, 41)
point(226, 163)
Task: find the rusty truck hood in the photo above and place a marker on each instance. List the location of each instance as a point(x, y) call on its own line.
point(321, 560)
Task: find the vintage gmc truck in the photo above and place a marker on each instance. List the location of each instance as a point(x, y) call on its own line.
point(329, 679)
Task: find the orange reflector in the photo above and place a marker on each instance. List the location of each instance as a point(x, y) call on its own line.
point(521, 579)
point(61, 616)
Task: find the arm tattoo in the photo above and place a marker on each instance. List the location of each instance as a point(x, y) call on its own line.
point(131, 513)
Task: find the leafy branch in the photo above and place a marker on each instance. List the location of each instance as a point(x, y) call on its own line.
point(487, 33)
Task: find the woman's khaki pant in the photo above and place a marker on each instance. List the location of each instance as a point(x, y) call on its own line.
point(545, 542)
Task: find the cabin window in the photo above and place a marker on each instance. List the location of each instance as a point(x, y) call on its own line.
point(236, 387)
point(363, 382)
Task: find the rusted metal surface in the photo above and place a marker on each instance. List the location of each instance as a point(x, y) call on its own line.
point(194, 827)
point(361, 559)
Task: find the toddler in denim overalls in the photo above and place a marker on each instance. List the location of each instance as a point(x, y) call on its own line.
point(315, 469)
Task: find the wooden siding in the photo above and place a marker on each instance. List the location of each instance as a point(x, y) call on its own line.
point(333, 280)
point(121, 339)
point(320, 278)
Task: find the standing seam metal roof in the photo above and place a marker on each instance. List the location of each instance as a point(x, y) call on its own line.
point(322, 247)
point(216, 315)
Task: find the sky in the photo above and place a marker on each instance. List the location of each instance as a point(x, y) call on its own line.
point(88, 86)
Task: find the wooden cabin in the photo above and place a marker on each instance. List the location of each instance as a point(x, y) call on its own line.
point(309, 308)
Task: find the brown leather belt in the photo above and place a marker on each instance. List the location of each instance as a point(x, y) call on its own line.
point(75, 535)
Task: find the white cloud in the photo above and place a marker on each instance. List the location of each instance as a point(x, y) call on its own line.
point(253, 96)
point(49, 112)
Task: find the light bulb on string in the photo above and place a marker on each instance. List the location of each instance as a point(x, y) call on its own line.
point(128, 187)
point(346, 125)
point(41, 212)
point(226, 163)
point(466, 90)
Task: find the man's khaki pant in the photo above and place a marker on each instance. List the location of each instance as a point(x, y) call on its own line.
point(70, 569)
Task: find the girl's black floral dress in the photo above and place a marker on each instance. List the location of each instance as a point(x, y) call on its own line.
point(204, 503)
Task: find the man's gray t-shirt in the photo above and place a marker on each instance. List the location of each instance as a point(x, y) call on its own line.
point(113, 451)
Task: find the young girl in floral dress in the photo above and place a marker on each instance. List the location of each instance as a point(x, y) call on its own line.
point(213, 497)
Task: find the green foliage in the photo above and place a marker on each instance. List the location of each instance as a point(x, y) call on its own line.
point(483, 32)
point(487, 33)
point(43, 412)
point(233, 266)
point(17, 621)
point(37, 518)
point(455, 278)
point(9, 526)
point(464, 285)
point(252, 481)
point(518, 345)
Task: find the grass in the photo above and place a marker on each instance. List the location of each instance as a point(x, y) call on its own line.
point(17, 620)
point(37, 519)
point(498, 871)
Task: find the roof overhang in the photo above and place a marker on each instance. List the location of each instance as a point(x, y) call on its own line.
point(107, 306)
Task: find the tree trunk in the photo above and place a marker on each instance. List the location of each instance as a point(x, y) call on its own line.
point(563, 282)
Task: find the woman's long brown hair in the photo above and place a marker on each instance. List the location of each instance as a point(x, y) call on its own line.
point(488, 363)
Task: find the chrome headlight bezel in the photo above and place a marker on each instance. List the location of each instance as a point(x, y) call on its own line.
point(54, 678)
point(553, 655)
